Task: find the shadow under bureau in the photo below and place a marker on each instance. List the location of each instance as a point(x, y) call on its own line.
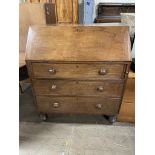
point(77, 69)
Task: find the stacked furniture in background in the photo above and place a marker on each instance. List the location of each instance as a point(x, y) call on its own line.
point(111, 12)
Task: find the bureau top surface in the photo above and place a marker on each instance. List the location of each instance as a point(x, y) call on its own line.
point(78, 43)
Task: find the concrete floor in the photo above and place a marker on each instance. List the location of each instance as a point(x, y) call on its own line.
point(71, 134)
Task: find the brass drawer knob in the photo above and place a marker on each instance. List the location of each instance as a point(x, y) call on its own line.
point(52, 71)
point(102, 71)
point(56, 105)
point(98, 106)
point(100, 88)
point(53, 87)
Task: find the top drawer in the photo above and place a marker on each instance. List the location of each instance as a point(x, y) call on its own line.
point(84, 71)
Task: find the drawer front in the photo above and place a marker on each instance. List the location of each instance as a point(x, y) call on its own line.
point(54, 87)
point(81, 105)
point(56, 104)
point(87, 71)
point(100, 88)
point(78, 88)
point(98, 105)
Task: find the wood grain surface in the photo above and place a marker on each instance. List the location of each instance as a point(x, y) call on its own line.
point(78, 43)
point(67, 11)
point(127, 110)
point(78, 69)
point(78, 105)
point(83, 71)
point(78, 88)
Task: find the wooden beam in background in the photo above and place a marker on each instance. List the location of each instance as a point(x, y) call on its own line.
point(67, 11)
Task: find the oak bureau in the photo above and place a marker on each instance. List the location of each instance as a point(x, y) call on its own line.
point(77, 69)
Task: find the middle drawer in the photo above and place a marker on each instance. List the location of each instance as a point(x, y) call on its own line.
point(78, 88)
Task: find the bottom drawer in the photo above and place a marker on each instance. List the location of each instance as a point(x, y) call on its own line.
point(78, 105)
point(98, 105)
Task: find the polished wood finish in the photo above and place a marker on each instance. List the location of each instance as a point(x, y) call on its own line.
point(67, 11)
point(79, 43)
point(64, 11)
point(55, 87)
point(78, 105)
point(44, 70)
point(83, 70)
point(78, 88)
point(100, 88)
point(99, 105)
point(75, 12)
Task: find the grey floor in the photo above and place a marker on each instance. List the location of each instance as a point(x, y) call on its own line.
point(71, 134)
